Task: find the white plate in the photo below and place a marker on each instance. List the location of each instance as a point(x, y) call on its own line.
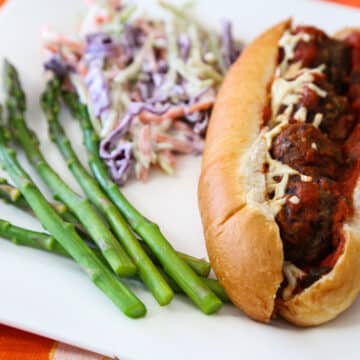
point(51, 296)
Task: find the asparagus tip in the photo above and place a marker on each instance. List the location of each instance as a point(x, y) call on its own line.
point(136, 311)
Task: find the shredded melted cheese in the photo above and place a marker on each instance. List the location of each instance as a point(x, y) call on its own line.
point(269, 177)
point(292, 274)
point(286, 91)
point(317, 119)
point(288, 42)
point(294, 200)
point(301, 114)
point(276, 188)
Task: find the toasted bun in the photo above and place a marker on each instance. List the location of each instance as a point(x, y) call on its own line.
point(242, 237)
point(345, 32)
point(243, 243)
point(334, 292)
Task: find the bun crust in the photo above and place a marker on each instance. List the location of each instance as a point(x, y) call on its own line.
point(242, 236)
point(345, 32)
point(243, 243)
point(333, 293)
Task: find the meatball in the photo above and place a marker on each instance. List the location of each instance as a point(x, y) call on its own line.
point(354, 88)
point(336, 55)
point(304, 148)
point(306, 225)
point(338, 120)
point(307, 51)
point(321, 49)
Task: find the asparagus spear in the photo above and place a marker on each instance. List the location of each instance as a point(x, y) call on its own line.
point(34, 239)
point(38, 240)
point(11, 195)
point(146, 269)
point(212, 284)
point(215, 286)
point(81, 207)
point(174, 265)
point(66, 235)
point(43, 241)
point(200, 266)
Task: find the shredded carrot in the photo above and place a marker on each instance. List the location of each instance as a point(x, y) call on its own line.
point(102, 19)
point(169, 157)
point(178, 145)
point(99, 19)
point(145, 140)
point(51, 47)
point(181, 126)
point(175, 112)
point(143, 173)
point(115, 3)
point(82, 69)
point(75, 46)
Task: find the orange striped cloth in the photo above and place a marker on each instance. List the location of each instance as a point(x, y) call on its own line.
point(355, 3)
point(19, 345)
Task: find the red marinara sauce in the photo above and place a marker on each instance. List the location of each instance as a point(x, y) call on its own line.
point(327, 202)
point(345, 209)
point(351, 149)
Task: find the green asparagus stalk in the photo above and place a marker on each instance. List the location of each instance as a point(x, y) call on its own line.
point(215, 286)
point(38, 240)
point(66, 235)
point(34, 239)
point(174, 265)
point(212, 284)
point(200, 266)
point(146, 269)
point(11, 195)
point(81, 207)
point(43, 241)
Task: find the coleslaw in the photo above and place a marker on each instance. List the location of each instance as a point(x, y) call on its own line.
point(149, 84)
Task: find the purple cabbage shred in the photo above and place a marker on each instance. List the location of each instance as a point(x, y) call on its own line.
point(229, 48)
point(98, 90)
point(184, 45)
point(118, 154)
point(100, 46)
point(120, 164)
point(58, 66)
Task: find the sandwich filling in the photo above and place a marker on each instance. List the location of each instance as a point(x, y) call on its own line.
point(312, 163)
